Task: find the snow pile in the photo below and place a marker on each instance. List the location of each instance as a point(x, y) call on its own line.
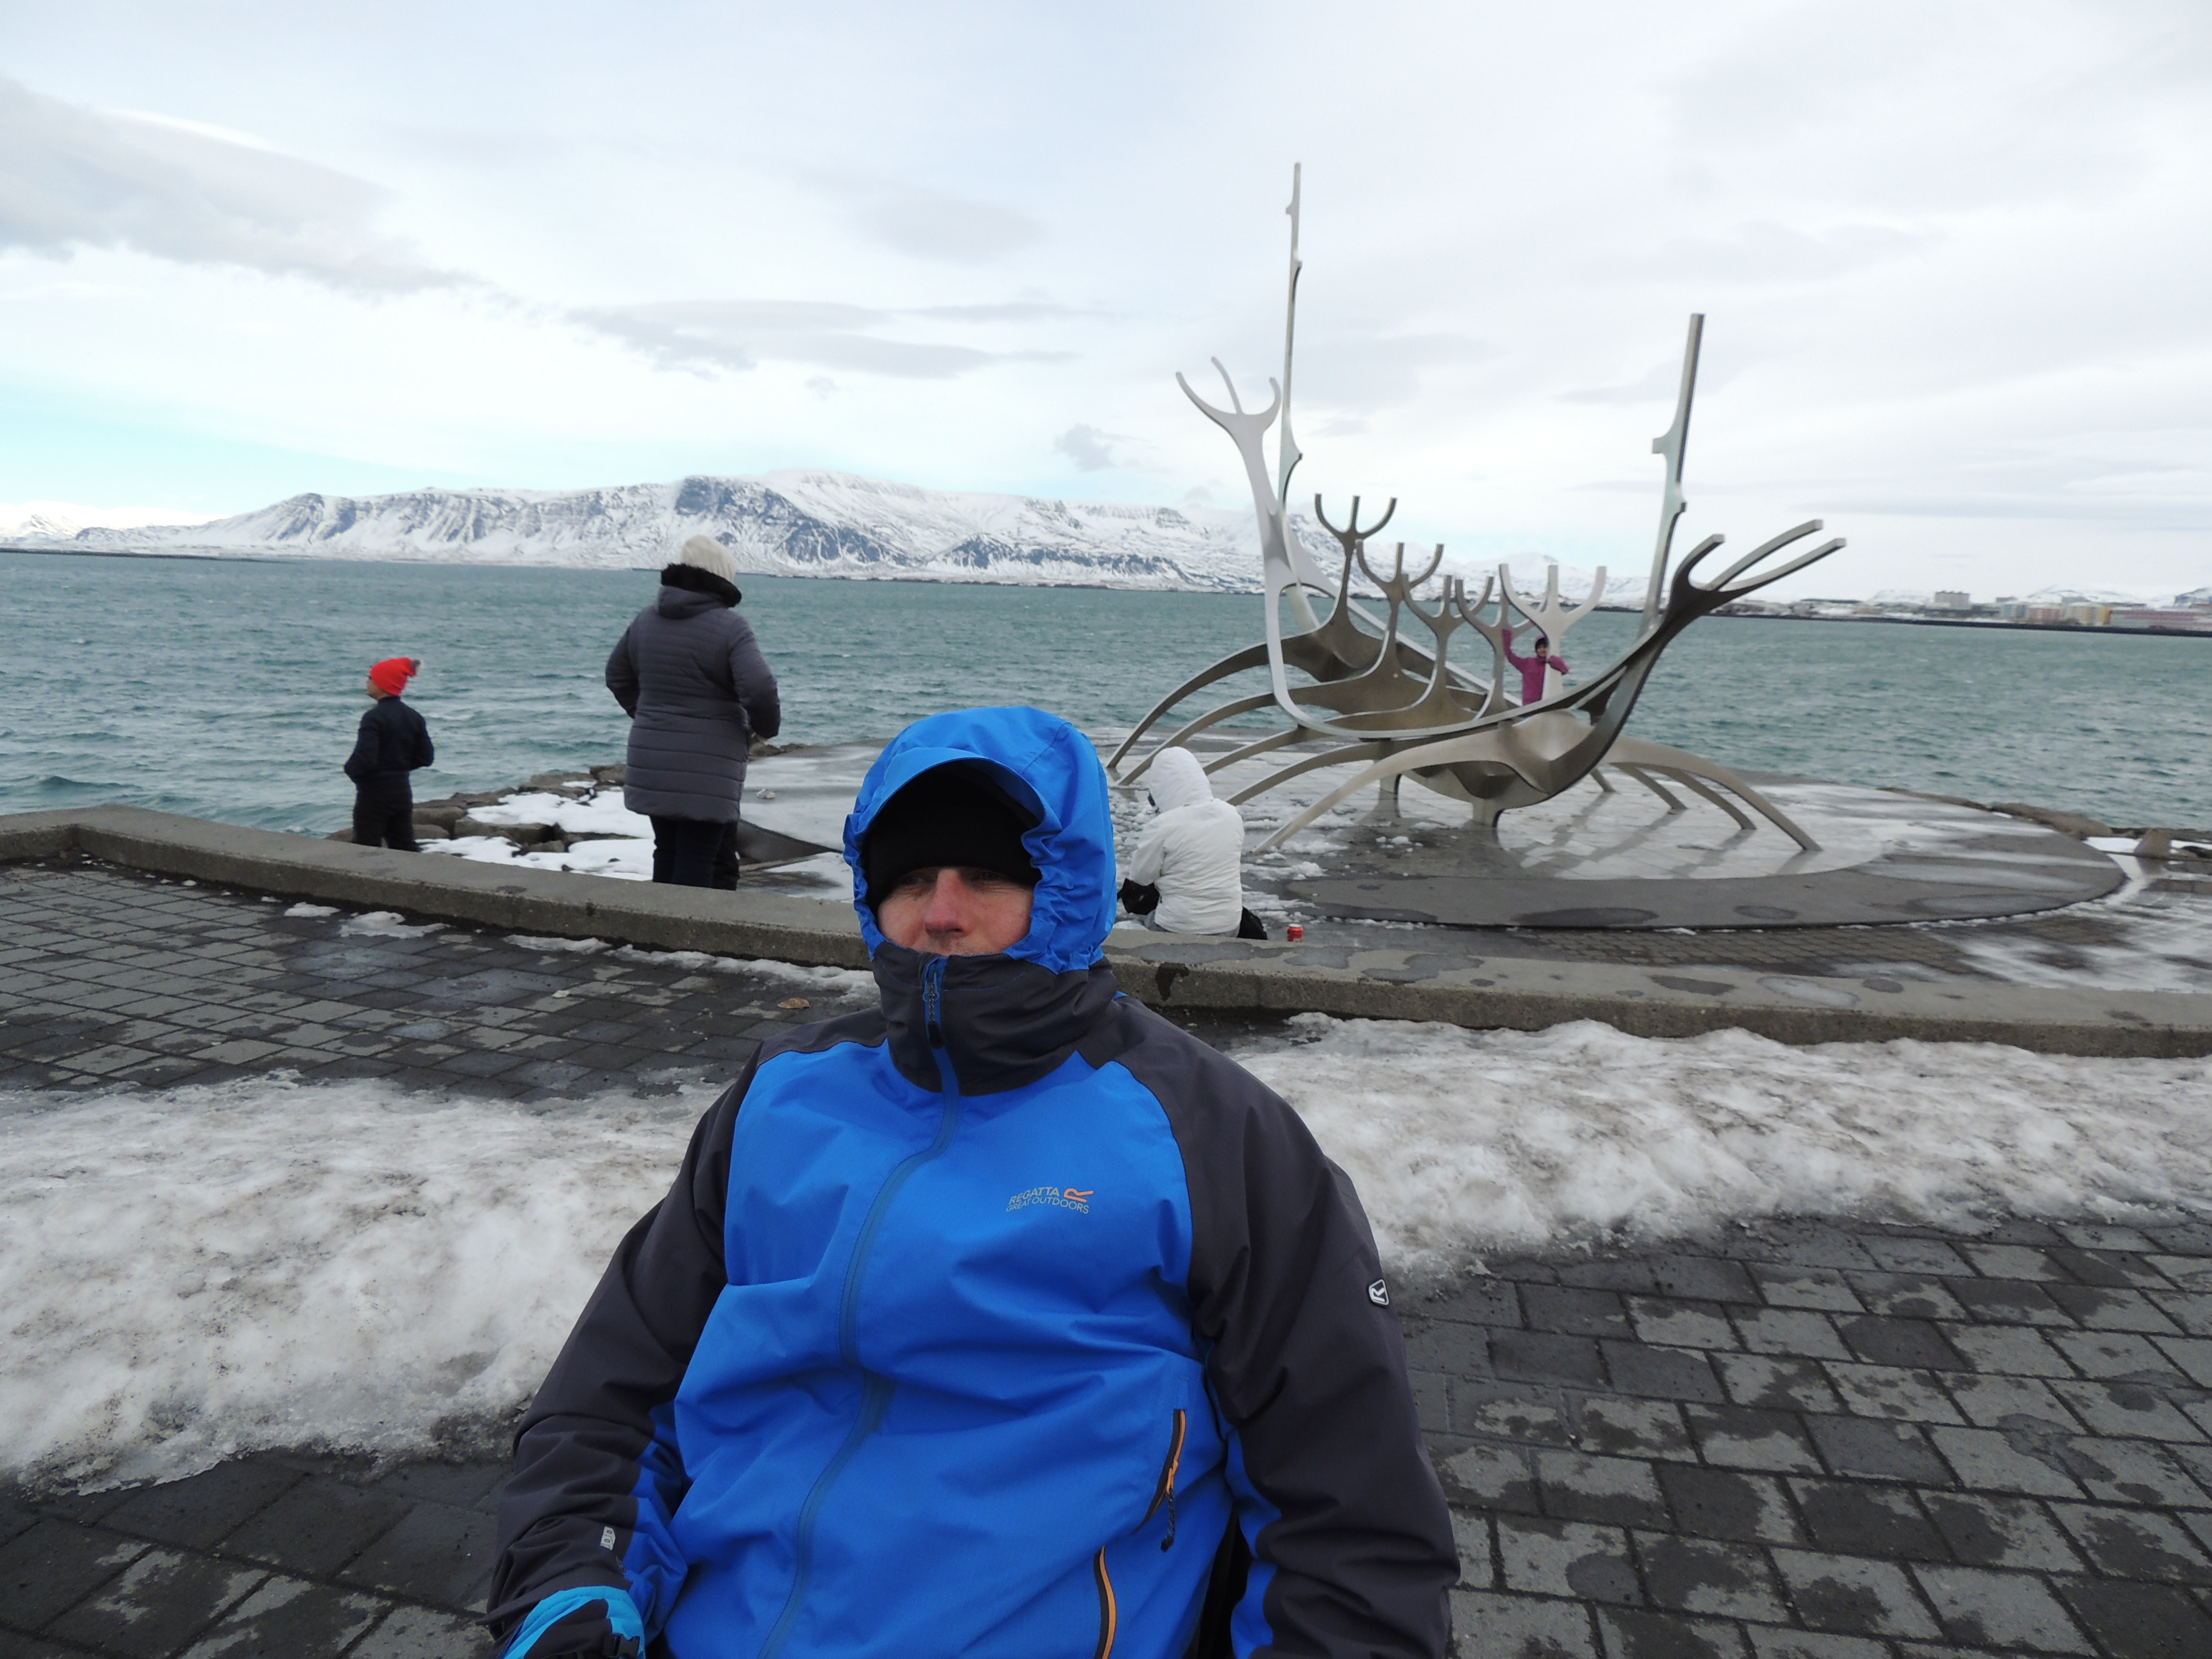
point(383, 924)
point(1462, 1141)
point(189, 1275)
point(195, 1274)
point(596, 814)
point(623, 860)
point(829, 981)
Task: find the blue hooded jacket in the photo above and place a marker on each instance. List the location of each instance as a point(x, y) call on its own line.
point(1005, 1319)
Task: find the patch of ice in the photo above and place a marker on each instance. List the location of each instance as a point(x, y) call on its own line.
point(312, 910)
point(2149, 940)
point(384, 924)
point(582, 947)
point(1461, 1141)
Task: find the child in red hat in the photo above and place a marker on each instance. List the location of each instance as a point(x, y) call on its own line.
point(393, 742)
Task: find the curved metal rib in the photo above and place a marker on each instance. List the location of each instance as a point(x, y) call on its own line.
point(1236, 663)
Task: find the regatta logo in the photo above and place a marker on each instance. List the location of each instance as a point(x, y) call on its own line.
point(1066, 1198)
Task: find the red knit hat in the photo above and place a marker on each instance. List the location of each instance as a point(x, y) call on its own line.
point(391, 676)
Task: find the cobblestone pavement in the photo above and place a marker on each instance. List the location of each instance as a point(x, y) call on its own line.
point(1800, 1441)
point(109, 978)
point(266, 1556)
point(1807, 1440)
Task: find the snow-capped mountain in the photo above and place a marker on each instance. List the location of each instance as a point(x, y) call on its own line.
point(792, 522)
point(801, 523)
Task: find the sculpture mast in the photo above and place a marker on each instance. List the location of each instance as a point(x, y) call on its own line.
point(1671, 443)
point(1287, 452)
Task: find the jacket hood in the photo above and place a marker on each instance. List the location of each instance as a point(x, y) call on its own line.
point(695, 580)
point(1047, 766)
point(683, 604)
point(1178, 780)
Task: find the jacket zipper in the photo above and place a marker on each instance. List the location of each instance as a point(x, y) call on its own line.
point(876, 1392)
point(1163, 1493)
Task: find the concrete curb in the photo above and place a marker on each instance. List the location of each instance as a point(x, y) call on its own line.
point(1529, 995)
point(541, 902)
point(1519, 993)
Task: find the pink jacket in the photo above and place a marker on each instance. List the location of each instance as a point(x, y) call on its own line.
point(1532, 670)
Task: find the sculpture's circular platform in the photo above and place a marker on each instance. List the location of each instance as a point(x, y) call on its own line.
point(1628, 859)
point(1586, 860)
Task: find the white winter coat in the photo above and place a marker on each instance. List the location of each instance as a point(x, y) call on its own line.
point(1193, 850)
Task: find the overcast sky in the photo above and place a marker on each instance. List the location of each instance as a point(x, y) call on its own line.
point(1956, 260)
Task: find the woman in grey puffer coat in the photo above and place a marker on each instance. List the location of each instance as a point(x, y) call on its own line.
point(697, 691)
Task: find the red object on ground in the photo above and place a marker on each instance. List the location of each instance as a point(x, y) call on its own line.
point(1295, 932)
point(391, 676)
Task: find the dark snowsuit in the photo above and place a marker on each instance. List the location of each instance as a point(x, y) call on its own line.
point(697, 690)
point(1005, 1319)
point(393, 742)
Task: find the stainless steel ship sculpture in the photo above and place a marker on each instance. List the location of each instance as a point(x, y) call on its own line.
point(1380, 690)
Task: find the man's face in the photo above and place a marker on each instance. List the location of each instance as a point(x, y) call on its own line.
point(374, 692)
point(955, 910)
point(1543, 648)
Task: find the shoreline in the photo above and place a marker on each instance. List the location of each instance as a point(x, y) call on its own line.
point(1987, 626)
point(221, 556)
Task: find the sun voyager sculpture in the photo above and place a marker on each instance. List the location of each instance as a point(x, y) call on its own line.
point(1378, 689)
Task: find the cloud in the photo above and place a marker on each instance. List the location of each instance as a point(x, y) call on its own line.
point(705, 337)
point(1369, 371)
point(930, 224)
point(1657, 382)
point(1091, 450)
point(74, 177)
point(1013, 311)
point(1765, 251)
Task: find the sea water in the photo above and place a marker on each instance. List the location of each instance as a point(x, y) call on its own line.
point(231, 689)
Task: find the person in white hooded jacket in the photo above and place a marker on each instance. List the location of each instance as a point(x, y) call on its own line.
point(1192, 851)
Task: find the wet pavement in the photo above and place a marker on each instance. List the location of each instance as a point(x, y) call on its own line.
point(1801, 1439)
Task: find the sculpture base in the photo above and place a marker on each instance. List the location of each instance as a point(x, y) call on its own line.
point(1626, 859)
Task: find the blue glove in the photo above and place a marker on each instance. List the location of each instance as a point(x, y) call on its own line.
point(592, 1622)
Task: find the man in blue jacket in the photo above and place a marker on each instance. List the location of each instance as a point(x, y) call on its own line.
point(1007, 1318)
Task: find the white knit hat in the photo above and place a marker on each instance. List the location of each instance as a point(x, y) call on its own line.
point(706, 554)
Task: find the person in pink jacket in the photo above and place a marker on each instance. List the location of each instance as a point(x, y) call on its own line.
point(1534, 687)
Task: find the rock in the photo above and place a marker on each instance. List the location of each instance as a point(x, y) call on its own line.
point(2067, 824)
point(443, 814)
point(558, 781)
point(522, 834)
point(611, 775)
point(426, 830)
point(339, 834)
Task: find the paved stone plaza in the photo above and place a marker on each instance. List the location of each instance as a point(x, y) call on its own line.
point(1804, 1440)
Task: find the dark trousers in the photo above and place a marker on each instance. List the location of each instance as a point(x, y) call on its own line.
point(384, 814)
point(693, 852)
